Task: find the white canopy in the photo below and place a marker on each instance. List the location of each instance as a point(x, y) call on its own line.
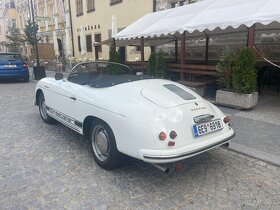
point(206, 15)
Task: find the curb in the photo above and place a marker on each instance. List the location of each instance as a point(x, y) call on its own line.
point(254, 153)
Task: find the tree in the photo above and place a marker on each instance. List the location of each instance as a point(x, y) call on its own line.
point(30, 31)
point(14, 39)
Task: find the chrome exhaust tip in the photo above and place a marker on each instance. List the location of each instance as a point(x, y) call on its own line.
point(163, 169)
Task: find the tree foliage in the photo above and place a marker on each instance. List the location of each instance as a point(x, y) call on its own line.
point(14, 39)
point(30, 31)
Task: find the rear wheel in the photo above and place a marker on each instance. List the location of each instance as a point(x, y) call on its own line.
point(43, 110)
point(103, 145)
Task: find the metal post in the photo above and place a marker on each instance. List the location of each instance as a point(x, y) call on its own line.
point(176, 50)
point(36, 44)
point(251, 36)
point(183, 55)
point(72, 35)
point(142, 49)
point(206, 48)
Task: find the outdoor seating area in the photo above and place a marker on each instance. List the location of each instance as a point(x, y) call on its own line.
point(196, 45)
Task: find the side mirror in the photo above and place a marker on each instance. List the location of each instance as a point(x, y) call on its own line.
point(58, 76)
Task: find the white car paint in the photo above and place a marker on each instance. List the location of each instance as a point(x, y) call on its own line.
point(137, 112)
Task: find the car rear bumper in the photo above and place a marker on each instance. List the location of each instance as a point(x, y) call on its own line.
point(167, 156)
point(13, 74)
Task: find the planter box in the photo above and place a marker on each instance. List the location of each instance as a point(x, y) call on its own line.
point(236, 100)
point(39, 72)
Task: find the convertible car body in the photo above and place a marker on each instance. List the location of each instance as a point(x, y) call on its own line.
point(122, 112)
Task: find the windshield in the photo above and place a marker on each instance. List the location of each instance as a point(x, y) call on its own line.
point(10, 57)
point(103, 74)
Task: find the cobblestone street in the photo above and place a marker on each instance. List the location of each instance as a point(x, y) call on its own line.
point(51, 167)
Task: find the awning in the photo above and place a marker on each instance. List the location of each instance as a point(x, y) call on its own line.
point(206, 15)
point(135, 42)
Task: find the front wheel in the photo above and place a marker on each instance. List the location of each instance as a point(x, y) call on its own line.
point(43, 110)
point(26, 79)
point(103, 145)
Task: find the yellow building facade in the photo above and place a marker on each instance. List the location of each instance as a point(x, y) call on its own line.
point(92, 22)
point(8, 18)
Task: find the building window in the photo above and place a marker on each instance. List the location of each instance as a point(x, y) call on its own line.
point(13, 23)
point(79, 7)
point(97, 44)
point(79, 44)
point(10, 4)
point(89, 43)
point(90, 6)
point(113, 2)
point(137, 48)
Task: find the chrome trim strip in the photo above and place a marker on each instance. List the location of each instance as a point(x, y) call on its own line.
point(66, 120)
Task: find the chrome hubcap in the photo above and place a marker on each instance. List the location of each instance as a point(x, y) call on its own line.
point(43, 109)
point(100, 143)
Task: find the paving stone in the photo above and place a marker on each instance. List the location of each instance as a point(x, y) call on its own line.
point(51, 167)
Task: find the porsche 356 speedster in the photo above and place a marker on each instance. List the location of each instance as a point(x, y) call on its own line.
point(125, 112)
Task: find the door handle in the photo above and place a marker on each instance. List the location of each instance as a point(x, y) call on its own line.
point(73, 98)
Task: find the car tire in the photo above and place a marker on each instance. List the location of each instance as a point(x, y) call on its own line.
point(103, 146)
point(26, 79)
point(43, 111)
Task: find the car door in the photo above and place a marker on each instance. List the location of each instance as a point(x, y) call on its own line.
point(61, 100)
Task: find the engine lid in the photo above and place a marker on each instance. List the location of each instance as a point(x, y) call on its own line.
point(168, 95)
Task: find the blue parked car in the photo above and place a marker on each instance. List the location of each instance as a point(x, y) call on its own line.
point(12, 66)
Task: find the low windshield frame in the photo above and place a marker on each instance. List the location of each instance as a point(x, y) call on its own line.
point(100, 74)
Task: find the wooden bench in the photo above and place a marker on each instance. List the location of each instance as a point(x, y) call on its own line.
point(199, 77)
point(192, 70)
point(198, 87)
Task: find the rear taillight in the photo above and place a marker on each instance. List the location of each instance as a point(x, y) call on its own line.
point(25, 66)
point(227, 119)
point(162, 136)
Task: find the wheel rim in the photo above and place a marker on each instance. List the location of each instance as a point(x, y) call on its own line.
point(43, 109)
point(100, 143)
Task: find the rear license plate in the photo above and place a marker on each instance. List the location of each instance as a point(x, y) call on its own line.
point(10, 66)
point(209, 127)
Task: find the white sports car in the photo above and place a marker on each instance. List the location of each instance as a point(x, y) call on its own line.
point(155, 120)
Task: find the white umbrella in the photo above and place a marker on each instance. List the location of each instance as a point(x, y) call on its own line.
point(68, 43)
point(55, 44)
point(82, 41)
point(114, 25)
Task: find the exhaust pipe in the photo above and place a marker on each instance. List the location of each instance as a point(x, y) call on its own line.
point(163, 169)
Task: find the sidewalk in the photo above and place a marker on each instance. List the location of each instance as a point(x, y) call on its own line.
point(258, 130)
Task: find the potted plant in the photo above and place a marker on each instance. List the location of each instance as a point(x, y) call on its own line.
point(241, 83)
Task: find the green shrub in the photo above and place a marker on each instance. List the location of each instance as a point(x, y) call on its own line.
point(152, 64)
point(244, 75)
point(114, 69)
point(160, 65)
point(157, 65)
point(224, 69)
